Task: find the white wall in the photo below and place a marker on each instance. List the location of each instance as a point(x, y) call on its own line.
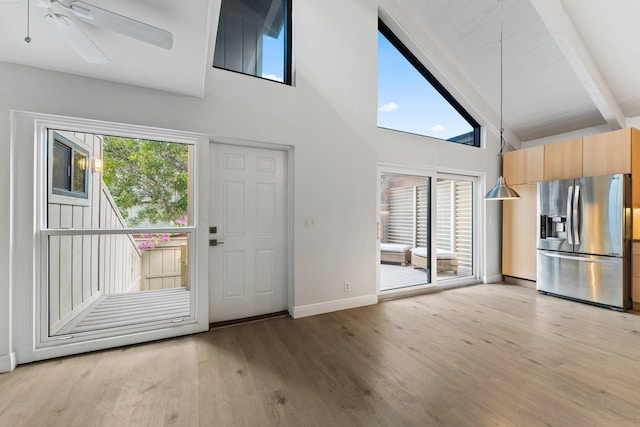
point(329, 117)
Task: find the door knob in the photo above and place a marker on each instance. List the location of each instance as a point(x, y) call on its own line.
point(214, 242)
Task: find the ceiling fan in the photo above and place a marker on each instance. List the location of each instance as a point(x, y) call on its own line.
point(94, 15)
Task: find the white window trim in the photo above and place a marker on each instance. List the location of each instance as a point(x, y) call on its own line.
point(29, 191)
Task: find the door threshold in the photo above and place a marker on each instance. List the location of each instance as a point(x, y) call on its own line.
point(225, 323)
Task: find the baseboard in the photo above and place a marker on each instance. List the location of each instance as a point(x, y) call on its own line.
point(7, 362)
point(496, 278)
point(336, 305)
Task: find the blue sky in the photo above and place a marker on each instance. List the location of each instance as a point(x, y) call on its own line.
point(407, 102)
point(273, 57)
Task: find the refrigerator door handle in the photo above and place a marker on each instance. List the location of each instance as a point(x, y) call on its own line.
point(569, 227)
point(575, 216)
point(601, 260)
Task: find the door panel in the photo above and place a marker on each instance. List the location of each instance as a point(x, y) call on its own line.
point(234, 205)
point(454, 226)
point(601, 222)
point(405, 231)
point(248, 206)
point(265, 261)
point(585, 277)
point(233, 268)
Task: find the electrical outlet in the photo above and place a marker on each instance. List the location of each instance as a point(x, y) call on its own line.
point(347, 286)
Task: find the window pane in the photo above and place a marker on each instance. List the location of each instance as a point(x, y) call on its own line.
point(253, 38)
point(60, 166)
point(454, 228)
point(404, 231)
point(148, 182)
point(99, 282)
point(79, 172)
point(143, 183)
point(409, 102)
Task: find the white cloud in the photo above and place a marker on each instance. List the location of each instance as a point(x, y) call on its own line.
point(388, 107)
point(272, 77)
point(438, 128)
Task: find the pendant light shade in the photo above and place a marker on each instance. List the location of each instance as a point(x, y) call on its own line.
point(501, 191)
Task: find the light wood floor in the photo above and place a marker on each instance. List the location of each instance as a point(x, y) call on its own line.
point(475, 356)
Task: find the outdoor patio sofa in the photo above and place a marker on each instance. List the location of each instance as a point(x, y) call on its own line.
point(395, 252)
point(447, 260)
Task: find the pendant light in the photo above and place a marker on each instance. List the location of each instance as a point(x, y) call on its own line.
point(501, 191)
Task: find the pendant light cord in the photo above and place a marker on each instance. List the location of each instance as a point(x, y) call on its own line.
point(502, 141)
point(28, 37)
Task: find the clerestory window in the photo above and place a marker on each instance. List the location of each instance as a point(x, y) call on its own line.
point(254, 37)
point(410, 99)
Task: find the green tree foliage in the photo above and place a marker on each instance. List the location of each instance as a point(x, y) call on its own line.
point(147, 179)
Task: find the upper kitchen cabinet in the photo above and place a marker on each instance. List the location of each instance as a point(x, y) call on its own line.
point(524, 166)
point(563, 160)
point(609, 152)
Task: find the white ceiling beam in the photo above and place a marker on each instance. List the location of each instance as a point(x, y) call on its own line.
point(561, 28)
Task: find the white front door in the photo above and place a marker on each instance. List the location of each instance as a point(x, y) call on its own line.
point(248, 208)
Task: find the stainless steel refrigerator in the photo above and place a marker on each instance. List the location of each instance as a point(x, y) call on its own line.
point(584, 239)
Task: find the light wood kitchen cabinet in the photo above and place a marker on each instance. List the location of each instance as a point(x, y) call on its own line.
point(608, 153)
point(519, 233)
point(635, 275)
point(524, 166)
point(635, 183)
point(563, 160)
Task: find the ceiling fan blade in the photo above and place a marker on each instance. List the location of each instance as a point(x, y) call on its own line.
point(122, 24)
point(77, 39)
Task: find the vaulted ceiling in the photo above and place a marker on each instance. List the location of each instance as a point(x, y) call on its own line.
point(568, 64)
point(180, 69)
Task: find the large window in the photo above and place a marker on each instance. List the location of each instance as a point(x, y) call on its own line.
point(91, 278)
point(254, 37)
point(118, 235)
point(411, 100)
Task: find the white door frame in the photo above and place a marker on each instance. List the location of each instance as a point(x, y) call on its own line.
point(290, 238)
point(434, 174)
point(27, 187)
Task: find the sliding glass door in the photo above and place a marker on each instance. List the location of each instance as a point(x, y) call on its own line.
point(426, 229)
point(405, 230)
point(455, 226)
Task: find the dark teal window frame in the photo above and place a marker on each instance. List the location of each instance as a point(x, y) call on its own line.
point(71, 149)
point(472, 138)
point(288, 47)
